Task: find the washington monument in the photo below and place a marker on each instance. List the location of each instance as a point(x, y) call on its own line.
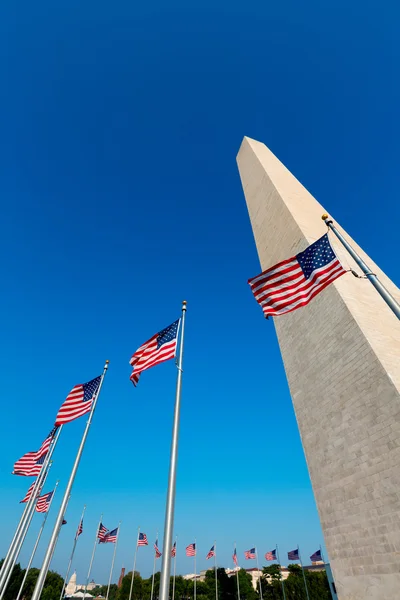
point(341, 356)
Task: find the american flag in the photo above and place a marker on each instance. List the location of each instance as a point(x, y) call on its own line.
point(78, 402)
point(211, 553)
point(316, 556)
point(31, 463)
point(28, 493)
point(250, 554)
point(111, 536)
point(294, 282)
point(293, 554)
point(102, 532)
point(80, 529)
point(271, 555)
point(235, 558)
point(173, 551)
point(43, 502)
point(64, 522)
point(159, 348)
point(156, 549)
point(191, 550)
point(142, 540)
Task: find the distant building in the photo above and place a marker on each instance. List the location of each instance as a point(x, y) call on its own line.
point(73, 588)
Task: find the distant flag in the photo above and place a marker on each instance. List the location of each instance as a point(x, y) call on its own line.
point(111, 536)
point(191, 550)
point(142, 540)
point(250, 554)
point(211, 553)
point(78, 402)
point(64, 522)
point(235, 558)
point(173, 551)
point(293, 554)
point(316, 556)
point(44, 448)
point(156, 549)
point(159, 348)
point(30, 471)
point(28, 493)
point(31, 463)
point(102, 532)
point(80, 528)
point(43, 502)
point(271, 555)
point(294, 282)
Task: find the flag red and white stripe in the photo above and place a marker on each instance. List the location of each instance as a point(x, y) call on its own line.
point(43, 502)
point(28, 493)
point(159, 348)
point(191, 550)
point(30, 464)
point(250, 554)
point(294, 282)
point(211, 553)
point(157, 550)
point(80, 528)
point(78, 402)
point(173, 551)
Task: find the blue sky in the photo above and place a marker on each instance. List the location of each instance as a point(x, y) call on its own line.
point(119, 127)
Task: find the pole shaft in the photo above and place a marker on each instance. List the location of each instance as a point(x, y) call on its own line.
point(237, 575)
point(280, 567)
point(71, 557)
point(304, 576)
point(195, 574)
point(259, 576)
point(113, 560)
point(380, 288)
point(173, 581)
point(134, 566)
point(154, 570)
point(92, 558)
point(53, 540)
point(215, 567)
point(170, 505)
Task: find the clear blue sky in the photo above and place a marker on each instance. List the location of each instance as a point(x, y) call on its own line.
point(119, 127)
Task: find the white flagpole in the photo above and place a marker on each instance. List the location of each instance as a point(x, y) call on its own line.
point(53, 540)
point(259, 576)
point(96, 541)
point(173, 582)
point(71, 557)
point(134, 565)
point(280, 569)
point(36, 544)
point(195, 574)
point(215, 566)
point(113, 560)
point(26, 517)
point(302, 570)
point(154, 571)
point(22, 538)
point(237, 574)
point(170, 505)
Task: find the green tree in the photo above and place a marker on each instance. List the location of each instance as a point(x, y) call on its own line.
point(123, 592)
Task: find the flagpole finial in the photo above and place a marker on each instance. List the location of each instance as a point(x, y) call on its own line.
point(325, 216)
point(184, 303)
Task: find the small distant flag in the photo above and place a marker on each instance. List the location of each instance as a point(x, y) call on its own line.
point(102, 533)
point(80, 529)
point(78, 402)
point(294, 282)
point(316, 556)
point(293, 554)
point(271, 555)
point(250, 554)
point(173, 551)
point(43, 502)
point(191, 550)
point(64, 522)
point(142, 540)
point(211, 553)
point(156, 549)
point(111, 536)
point(28, 493)
point(159, 348)
point(235, 558)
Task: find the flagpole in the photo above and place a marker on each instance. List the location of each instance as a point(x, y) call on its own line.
point(259, 576)
point(173, 581)
point(154, 570)
point(237, 574)
point(22, 536)
point(170, 505)
point(36, 544)
point(195, 574)
point(26, 515)
point(134, 565)
point(53, 540)
point(71, 557)
point(280, 570)
point(92, 558)
point(113, 560)
point(215, 567)
point(302, 570)
point(380, 288)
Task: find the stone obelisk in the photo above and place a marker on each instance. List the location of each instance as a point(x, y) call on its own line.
point(341, 355)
